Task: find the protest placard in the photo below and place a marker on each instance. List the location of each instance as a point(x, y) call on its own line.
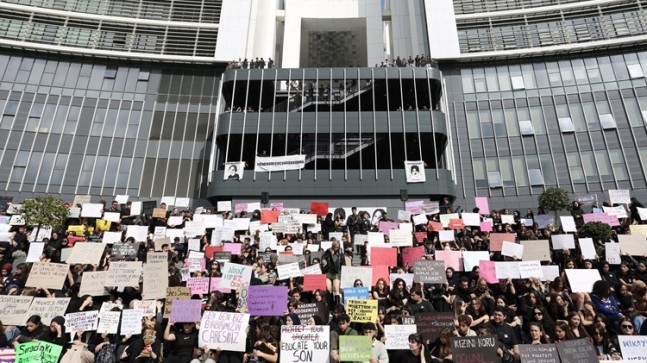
point(148, 307)
point(223, 330)
point(14, 309)
point(453, 259)
point(483, 205)
point(314, 282)
point(576, 351)
point(528, 269)
point(429, 272)
point(83, 320)
point(446, 236)
point(397, 336)
point(482, 349)
point(487, 270)
point(618, 212)
point(536, 250)
point(86, 253)
point(374, 238)
point(400, 238)
point(563, 241)
point(109, 322)
point(362, 311)
point(355, 293)
point(186, 311)
point(545, 353)
point(155, 280)
point(446, 218)
point(234, 276)
point(550, 272)
point(633, 245)
point(124, 250)
point(175, 293)
point(507, 270)
point(306, 310)
point(355, 348)
point(587, 248)
point(92, 210)
point(288, 270)
point(311, 270)
point(35, 250)
point(568, 224)
point(512, 249)
point(48, 275)
point(48, 308)
point(633, 347)
point(411, 254)
point(581, 280)
point(93, 283)
point(472, 258)
point(198, 285)
point(612, 253)
point(430, 324)
point(351, 273)
point(38, 352)
point(305, 344)
point(131, 321)
point(471, 219)
point(619, 196)
point(125, 273)
point(496, 240)
point(139, 233)
point(267, 300)
point(381, 256)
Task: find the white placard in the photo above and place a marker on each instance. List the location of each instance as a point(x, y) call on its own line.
point(351, 273)
point(288, 270)
point(109, 322)
point(568, 223)
point(550, 272)
point(182, 202)
point(507, 270)
point(139, 233)
point(512, 249)
point(397, 336)
point(588, 250)
point(643, 213)
point(224, 206)
point(193, 229)
point(375, 238)
point(404, 215)
point(112, 217)
point(84, 321)
point(212, 220)
point(633, 347)
point(581, 280)
point(112, 237)
point(92, 210)
point(612, 253)
point(131, 322)
point(420, 219)
point(528, 269)
point(632, 245)
point(169, 201)
point(618, 212)
point(172, 233)
point(471, 219)
point(619, 196)
point(121, 199)
point(17, 220)
point(215, 324)
point(444, 236)
point(35, 250)
point(311, 270)
point(74, 212)
point(400, 238)
point(136, 208)
point(563, 241)
point(471, 259)
point(174, 221)
point(507, 219)
point(194, 244)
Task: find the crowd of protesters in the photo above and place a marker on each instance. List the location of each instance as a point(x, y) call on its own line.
point(252, 63)
point(518, 311)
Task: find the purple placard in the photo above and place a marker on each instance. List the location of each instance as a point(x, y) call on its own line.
point(267, 300)
point(234, 248)
point(277, 205)
point(601, 217)
point(186, 311)
point(482, 205)
point(414, 207)
point(385, 226)
point(240, 207)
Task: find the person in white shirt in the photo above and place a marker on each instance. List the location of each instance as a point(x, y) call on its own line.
point(378, 352)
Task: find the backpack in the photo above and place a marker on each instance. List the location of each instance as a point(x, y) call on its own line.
point(107, 354)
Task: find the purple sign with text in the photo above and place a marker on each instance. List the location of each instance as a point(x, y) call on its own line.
point(186, 311)
point(267, 300)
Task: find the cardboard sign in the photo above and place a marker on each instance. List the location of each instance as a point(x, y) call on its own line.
point(577, 350)
point(431, 324)
point(397, 336)
point(536, 250)
point(86, 253)
point(314, 282)
point(125, 273)
point(633, 245)
point(305, 344)
point(175, 293)
point(186, 311)
point(581, 280)
point(48, 308)
point(131, 321)
point(221, 330)
point(633, 347)
point(546, 353)
point(409, 255)
point(124, 250)
point(267, 300)
point(38, 352)
point(48, 275)
point(381, 256)
point(351, 273)
point(482, 349)
point(362, 311)
point(109, 322)
point(93, 283)
point(155, 279)
point(496, 240)
point(355, 348)
point(235, 276)
point(14, 309)
point(429, 272)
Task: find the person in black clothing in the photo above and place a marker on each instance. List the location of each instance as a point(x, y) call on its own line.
point(352, 222)
point(328, 225)
point(184, 342)
point(34, 330)
point(504, 332)
point(417, 303)
point(331, 263)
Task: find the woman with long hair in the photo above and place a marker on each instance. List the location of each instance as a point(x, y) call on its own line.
point(536, 334)
point(542, 317)
point(602, 344)
point(331, 264)
point(380, 290)
point(575, 323)
point(265, 347)
point(562, 331)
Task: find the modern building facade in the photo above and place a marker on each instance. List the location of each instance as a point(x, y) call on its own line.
point(107, 97)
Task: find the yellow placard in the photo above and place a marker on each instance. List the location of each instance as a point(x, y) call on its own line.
point(638, 229)
point(362, 310)
point(103, 224)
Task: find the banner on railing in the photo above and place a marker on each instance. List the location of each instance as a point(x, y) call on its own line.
point(415, 171)
point(234, 170)
point(280, 163)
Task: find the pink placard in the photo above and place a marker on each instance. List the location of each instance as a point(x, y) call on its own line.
point(486, 226)
point(601, 217)
point(496, 240)
point(411, 254)
point(240, 207)
point(380, 272)
point(482, 204)
point(414, 207)
point(386, 226)
point(381, 256)
point(234, 248)
point(198, 285)
point(487, 270)
point(277, 205)
point(215, 286)
point(452, 259)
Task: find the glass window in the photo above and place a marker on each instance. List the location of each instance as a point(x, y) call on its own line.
point(635, 71)
point(591, 115)
point(580, 71)
point(604, 165)
point(566, 124)
point(577, 116)
point(498, 121)
point(528, 76)
point(11, 108)
point(144, 75)
point(507, 172)
point(504, 78)
point(526, 128)
point(486, 123)
point(536, 177)
point(520, 169)
point(479, 173)
point(634, 114)
point(588, 163)
point(468, 85)
point(517, 82)
point(548, 169)
point(110, 73)
point(511, 122)
point(568, 78)
point(607, 121)
point(575, 167)
point(537, 117)
point(473, 125)
point(618, 163)
point(491, 79)
point(494, 179)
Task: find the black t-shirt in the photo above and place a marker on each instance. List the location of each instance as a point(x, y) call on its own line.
point(505, 333)
point(185, 343)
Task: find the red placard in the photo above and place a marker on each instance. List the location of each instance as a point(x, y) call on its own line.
point(269, 216)
point(380, 272)
point(420, 236)
point(381, 256)
point(435, 226)
point(496, 240)
point(210, 250)
point(319, 208)
point(456, 223)
point(314, 282)
point(411, 254)
point(71, 240)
